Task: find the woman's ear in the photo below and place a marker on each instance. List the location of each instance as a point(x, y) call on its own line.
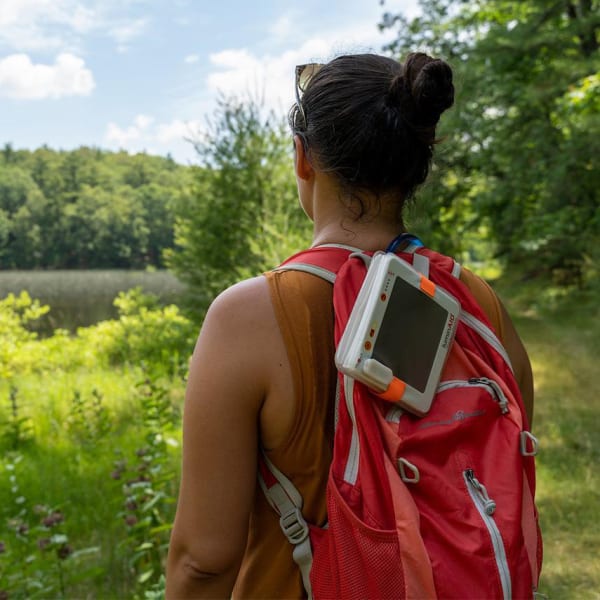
point(302, 165)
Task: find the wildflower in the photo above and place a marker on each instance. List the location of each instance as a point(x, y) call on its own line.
point(3, 595)
point(116, 474)
point(131, 520)
point(131, 505)
point(64, 551)
point(53, 519)
point(22, 529)
point(2, 547)
point(43, 543)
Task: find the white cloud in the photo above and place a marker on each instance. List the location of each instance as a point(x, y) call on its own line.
point(27, 12)
point(267, 78)
point(143, 121)
point(270, 77)
point(125, 32)
point(21, 78)
point(60, 24)
point(190, 59)
point(145, 135)
point(282, 27)
point(44, 24)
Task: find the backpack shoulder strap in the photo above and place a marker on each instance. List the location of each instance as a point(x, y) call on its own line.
point(323, 261)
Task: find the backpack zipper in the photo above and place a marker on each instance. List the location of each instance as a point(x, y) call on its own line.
point(490, 385)
point(486, 508)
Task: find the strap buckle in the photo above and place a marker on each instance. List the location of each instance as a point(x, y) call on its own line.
point(294, 526)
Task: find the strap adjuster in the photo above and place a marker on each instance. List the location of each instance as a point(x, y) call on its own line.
point(294, 526)
point(529, 444)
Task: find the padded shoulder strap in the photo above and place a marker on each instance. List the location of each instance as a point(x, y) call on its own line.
point(323, 261)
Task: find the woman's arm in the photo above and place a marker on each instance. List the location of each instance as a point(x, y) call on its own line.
point(226, 387)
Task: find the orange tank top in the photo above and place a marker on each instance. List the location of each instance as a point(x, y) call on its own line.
point(303, 307)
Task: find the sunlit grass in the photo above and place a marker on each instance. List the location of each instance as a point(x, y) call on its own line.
point(563, 340)
point(65, 469)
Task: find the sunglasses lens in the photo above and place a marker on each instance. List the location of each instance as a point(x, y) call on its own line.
point(306, 73)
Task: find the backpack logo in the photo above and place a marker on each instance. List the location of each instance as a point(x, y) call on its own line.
point(459, 415)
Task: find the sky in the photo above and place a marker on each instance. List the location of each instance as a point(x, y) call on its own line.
point(144, 75)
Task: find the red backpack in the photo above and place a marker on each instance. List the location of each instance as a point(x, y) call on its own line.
point(440, 506)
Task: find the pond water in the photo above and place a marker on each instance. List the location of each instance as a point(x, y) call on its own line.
point(83, 297)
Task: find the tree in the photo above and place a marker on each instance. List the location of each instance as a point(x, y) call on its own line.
point(244, 216)
point(87, 208)
point(523, 139)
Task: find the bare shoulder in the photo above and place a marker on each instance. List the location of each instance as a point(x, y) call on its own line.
point(236, 337)
point(243, 304)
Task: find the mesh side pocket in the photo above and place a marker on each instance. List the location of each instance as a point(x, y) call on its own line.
point(353, 560)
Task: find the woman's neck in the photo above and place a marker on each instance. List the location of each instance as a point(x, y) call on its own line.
point(370, 237)
point(334, 222)
point(335, 218)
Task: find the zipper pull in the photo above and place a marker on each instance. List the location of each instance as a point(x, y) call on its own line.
point(498, 392)
point(489, 506)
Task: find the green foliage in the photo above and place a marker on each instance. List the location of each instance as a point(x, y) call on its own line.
point(161, 338)
point(15, 430)
point(243, 217)
point(89, 420)
point(523, 140)
point(115, 538)
point(16, 313)
point(562, 334)
point(38, 560)
point(149, 486)
point(87, 208)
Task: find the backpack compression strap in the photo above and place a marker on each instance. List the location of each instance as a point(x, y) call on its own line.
point(286, 500)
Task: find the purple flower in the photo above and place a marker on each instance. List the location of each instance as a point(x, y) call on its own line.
point(43, 543)
point(131, 520)
point(64, 551)
point(53, 519)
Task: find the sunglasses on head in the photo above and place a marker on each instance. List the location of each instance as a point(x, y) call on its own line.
point(304, 73)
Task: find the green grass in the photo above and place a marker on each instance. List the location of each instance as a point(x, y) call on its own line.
point(562, 336)
point(67, 468)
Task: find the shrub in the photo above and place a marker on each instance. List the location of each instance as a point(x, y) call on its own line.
point(144, 333)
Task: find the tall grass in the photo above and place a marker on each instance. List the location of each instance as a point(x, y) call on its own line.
point(83, 297)
point(562, 335)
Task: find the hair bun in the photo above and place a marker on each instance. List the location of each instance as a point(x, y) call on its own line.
point(431, 87)
point(397, 91)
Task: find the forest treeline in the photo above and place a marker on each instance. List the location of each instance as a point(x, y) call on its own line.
point(87, 208)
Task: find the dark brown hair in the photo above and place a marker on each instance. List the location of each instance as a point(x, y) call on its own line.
point(371, 121)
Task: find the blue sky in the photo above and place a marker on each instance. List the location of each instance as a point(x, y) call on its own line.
point(143, 74)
